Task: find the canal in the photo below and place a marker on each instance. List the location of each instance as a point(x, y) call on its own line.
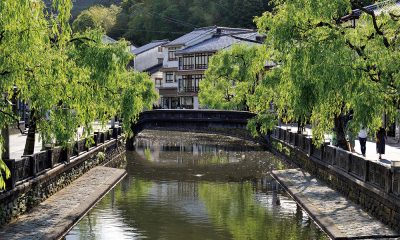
point(197, 186)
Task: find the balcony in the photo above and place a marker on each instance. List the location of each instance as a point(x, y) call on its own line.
point(189, 89)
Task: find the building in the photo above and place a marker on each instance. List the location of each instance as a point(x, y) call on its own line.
point(186, 58)
point(149, 58)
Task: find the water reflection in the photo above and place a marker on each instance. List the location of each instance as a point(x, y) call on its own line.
point(176, 192)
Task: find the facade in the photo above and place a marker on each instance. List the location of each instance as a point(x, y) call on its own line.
point(186, 58)
point(149, 58)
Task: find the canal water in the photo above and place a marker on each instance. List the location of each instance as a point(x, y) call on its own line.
point(197, 186)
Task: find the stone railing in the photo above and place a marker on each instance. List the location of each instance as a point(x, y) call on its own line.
point(384, 177)
point(32, 166)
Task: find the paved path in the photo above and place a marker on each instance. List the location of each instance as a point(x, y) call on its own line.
point(57, 214)
point(17, 141)
point(339, 217)
point(392, 148)
point(17, 144)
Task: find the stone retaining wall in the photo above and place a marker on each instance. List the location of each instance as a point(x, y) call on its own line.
point(29, 192)
point(374, 186)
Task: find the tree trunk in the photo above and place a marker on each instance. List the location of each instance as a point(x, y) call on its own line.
point(6, 143)
point(340, 131)
point(300, 127)
point(30, 139)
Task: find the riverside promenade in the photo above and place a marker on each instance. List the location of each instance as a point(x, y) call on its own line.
point(56, 215)
point(339, 217)
point(392, 149)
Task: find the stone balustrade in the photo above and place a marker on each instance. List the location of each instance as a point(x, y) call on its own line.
point(373, 185)
point(32, 166)
point(386, 178)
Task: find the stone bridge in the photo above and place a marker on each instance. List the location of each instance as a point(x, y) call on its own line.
point(190, 120)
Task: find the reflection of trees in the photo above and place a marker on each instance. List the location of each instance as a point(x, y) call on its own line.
point(233, 207)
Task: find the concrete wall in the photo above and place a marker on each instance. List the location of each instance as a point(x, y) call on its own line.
point(147, 59)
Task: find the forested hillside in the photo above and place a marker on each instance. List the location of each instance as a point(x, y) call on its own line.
point(141, 21)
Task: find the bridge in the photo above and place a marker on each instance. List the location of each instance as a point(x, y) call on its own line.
point(190, 120)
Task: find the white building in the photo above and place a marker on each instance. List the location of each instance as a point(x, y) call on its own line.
point(149, 58)
point(186, 59)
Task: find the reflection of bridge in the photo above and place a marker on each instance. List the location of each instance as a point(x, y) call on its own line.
point(192, 119)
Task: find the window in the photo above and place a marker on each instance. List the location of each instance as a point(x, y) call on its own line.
point(160, 49)
point(171, 53)
point(160, 60)
point(186, 102)
point(187, 62)
point(190, 83)
point(158, 82)
point(169, 77)
point(201, 60)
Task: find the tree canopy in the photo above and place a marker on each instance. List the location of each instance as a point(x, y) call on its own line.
point(97, 17)
point(327, 70)
point(68, 79)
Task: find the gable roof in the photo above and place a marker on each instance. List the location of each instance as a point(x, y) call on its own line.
point(213, 44)
point(149, 46)
point(198, 32)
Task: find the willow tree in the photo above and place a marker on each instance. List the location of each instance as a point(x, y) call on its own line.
point(332, 69)
point(69, 80)
point(233, 82)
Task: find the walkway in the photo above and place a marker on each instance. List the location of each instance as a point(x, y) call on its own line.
point(339, 217)
point(53, 217)
point(392, 149)
point(17, 141)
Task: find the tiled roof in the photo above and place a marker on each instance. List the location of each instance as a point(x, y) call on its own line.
point(147, 47)
point(214, 44)
point(198, 32)
point(211, 45)
point(153, 69)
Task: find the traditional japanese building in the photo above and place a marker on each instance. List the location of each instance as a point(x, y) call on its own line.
point(186, 58)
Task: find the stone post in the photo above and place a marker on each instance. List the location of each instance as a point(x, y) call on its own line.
point(5, 133)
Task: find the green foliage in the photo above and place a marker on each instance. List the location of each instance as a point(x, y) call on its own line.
point(233, 75)
point(328, 69)
point(69, 80)
point(97, 17)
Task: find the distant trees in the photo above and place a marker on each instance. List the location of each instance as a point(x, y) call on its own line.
point(97, 17)
point(143, 21)
point(68, 79)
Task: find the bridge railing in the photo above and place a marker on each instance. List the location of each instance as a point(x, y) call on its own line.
point(192, 118)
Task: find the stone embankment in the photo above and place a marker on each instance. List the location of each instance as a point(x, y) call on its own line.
point(54, 217)
point(36, 177)
point(339, 217)
point(373, 185)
